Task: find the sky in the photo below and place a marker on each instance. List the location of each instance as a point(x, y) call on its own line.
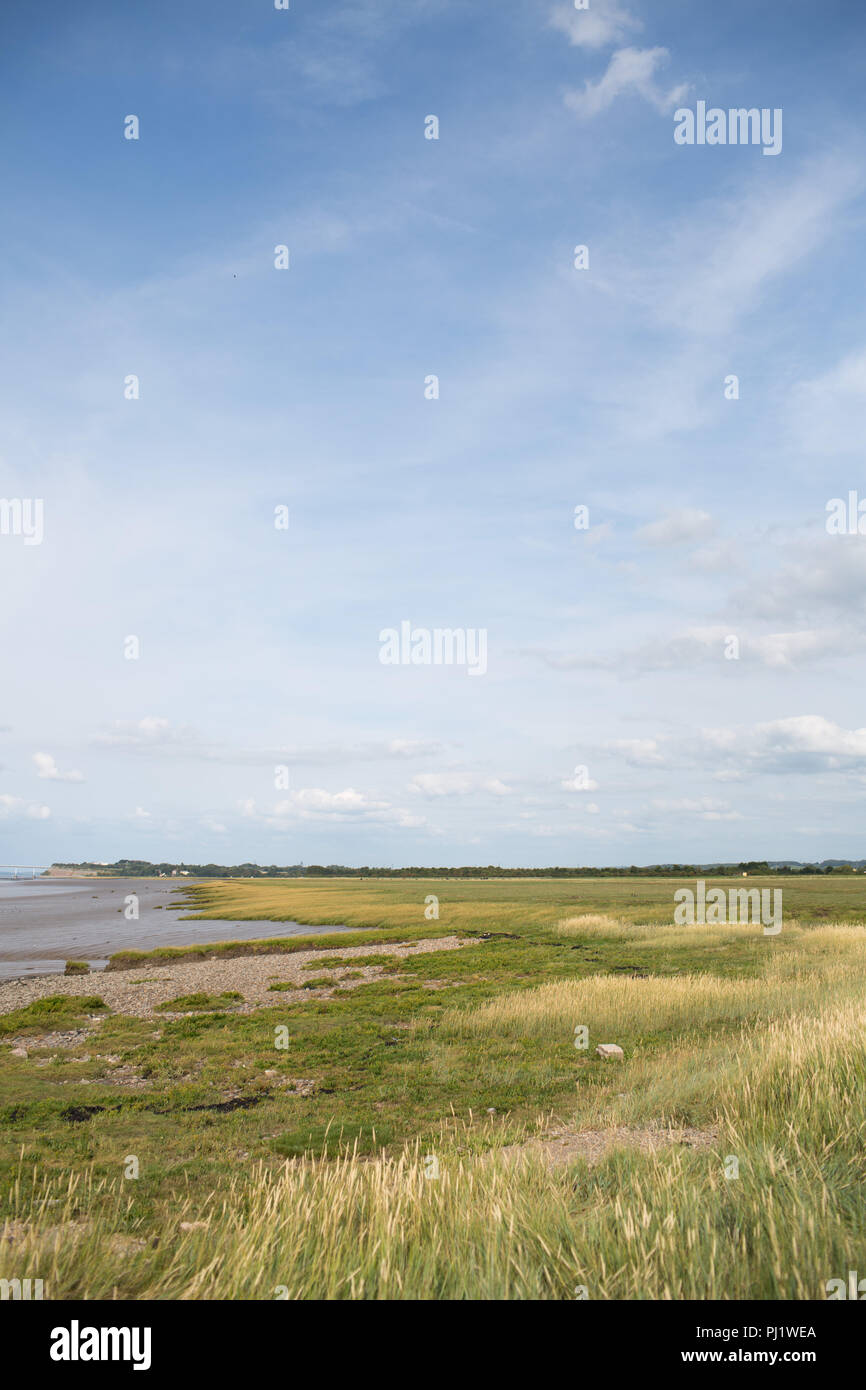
point(248, 473)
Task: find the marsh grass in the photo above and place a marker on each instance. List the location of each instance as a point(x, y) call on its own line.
point(759, 1042)
point(707, 935)
point(499, 904)
point(689, 1002)
point(665, 1225)
point(588, 923)
point(200, 1000)
point(50, 1012)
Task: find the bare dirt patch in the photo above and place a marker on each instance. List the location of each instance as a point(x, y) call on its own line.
point(561, 1146)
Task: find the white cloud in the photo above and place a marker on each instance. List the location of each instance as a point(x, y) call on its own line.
point(603, 24)
point(216, 827)
point(825, 576)
point(630, 70)
point(406, 748)
point(578, 784)
point(804, 743)
point(493, 784)
point(677, 527)
point(46, 767)
point(722, 557)
point(315, 799)
point(14, 806)
point(442, 783)
point(808, 744)
point(787, 650)
point(829, 411)
point(812, 733)
point(705, 808)
point(641, 752)
point(315, 803)
point(777, 651)
point(723, 260)
point(435, 784)
point(659, 654)
point(142, 732)
point(156, 735)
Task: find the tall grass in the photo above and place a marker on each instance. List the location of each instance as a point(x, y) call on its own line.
point(783, 1080)
point(667, 1225)
point(654, 934)
point(826, 962)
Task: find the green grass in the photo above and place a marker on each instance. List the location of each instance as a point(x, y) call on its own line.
point(200, 1001)
point(54, 1011)
point(758, 1039)
point(264, 946)
point(331, 1140)
point(501, 904)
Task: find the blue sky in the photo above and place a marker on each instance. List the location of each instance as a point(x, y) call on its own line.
point(304, 388)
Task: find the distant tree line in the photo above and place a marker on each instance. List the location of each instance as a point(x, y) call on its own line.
point(142, 868)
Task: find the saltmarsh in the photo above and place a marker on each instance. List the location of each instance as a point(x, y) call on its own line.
point(756, 1039)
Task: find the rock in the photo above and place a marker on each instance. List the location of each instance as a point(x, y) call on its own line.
point(491, 1109)
point(126, 1245)
point(610, 1050)
point(299, 1085)
point(19, 1052)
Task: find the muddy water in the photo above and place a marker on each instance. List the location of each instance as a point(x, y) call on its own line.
point(46, 922)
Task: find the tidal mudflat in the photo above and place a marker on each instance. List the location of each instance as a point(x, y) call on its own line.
point(46, 921)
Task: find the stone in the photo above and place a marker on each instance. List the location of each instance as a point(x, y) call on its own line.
point(19, 1052)
point(610, 1050)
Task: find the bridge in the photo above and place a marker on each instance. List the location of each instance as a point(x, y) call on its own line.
point(23, 870)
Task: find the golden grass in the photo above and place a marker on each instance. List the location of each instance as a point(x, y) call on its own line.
point(503, 904)
point(672, 936)
point(589, 923)
point(664, 1225)
point(616, 1005)
point(775, 1061)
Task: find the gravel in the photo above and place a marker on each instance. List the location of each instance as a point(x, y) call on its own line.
point(138, 992)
